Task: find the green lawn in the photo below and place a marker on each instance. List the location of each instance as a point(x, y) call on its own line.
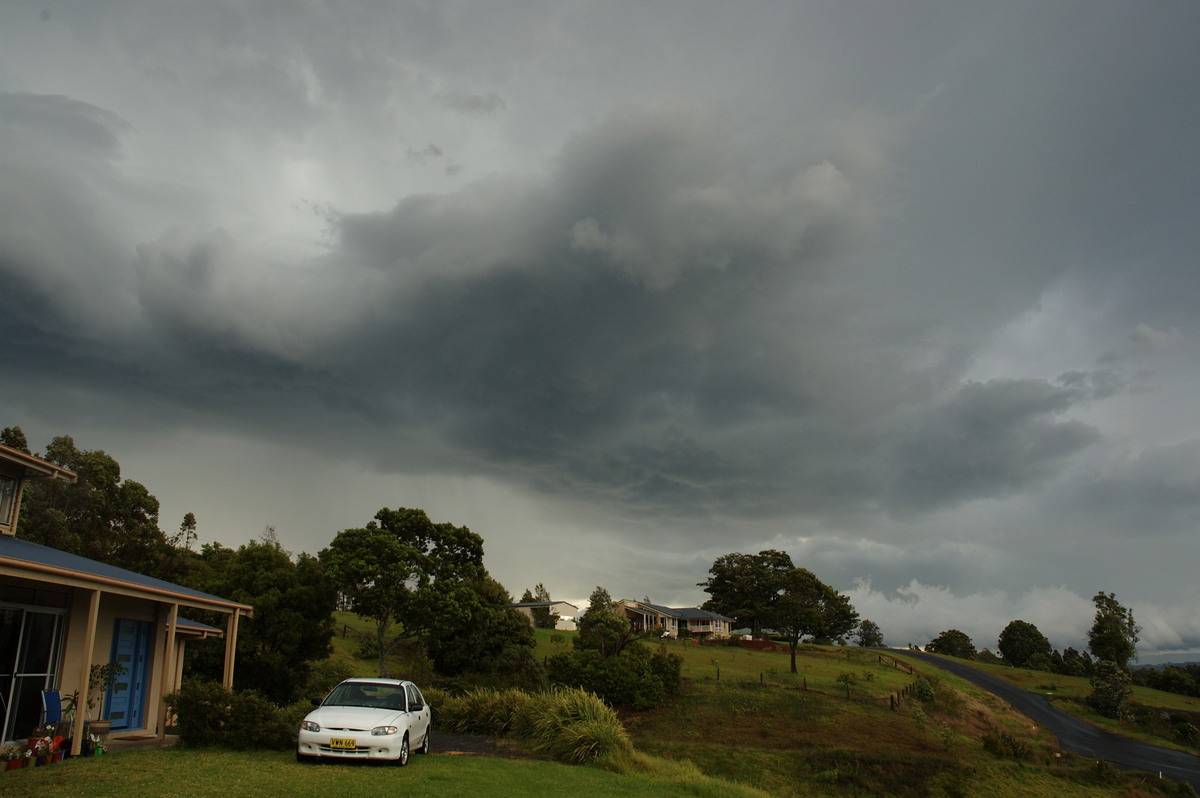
point(163, 773)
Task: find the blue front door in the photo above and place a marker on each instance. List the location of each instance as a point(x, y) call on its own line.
point(132, 647)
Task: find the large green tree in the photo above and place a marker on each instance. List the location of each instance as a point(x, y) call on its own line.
point(1020, 642)
point(1114, 633)
point(868, 634)
point(492, 638)
point(402, 568)
point(804, 605)
point(376, 572)
point(291, 629)
point(952, 643)
point(101, 516)
point(744, 586)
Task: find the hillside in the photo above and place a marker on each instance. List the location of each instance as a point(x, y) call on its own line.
point(741, 716)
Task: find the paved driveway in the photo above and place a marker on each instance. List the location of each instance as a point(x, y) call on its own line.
point(1074, 734)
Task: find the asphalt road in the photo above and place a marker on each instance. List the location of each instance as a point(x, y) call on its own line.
point(1073, 734)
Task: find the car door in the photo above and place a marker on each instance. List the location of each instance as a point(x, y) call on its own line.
point(418, 715)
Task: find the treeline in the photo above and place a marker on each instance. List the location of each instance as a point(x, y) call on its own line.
point(1178, 679)
point(422, 582)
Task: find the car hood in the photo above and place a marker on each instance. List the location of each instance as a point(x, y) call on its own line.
point(356, 718)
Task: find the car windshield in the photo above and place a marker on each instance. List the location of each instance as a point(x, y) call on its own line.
point(366, 694)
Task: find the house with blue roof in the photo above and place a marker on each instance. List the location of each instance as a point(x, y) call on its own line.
point(675, 621)
point(60, 614)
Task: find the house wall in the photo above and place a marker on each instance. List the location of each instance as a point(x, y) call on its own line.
point(111, 608)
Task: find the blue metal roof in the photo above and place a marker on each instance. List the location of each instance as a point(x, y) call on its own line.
point(39, 555)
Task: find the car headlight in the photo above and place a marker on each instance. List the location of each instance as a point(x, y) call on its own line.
point(308, 725)
point(381, 730)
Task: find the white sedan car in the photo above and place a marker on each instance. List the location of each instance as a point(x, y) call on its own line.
point(367, 719)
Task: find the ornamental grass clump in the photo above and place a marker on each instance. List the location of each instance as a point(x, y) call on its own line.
point(484, 711)
point(572, 726)
point(568, 724)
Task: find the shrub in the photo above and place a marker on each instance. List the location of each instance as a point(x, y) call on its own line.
point(254, 722)
point(209, 714)
point(1188, 734)
point(1003, 744)
point(201, 710)
point(634, 678)
point(1110, 690)
point(923, 690)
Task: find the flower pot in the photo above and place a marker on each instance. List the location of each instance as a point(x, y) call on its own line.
point(99, 726)
point(16, 764)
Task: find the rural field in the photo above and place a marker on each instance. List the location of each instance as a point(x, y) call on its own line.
point(741, 725)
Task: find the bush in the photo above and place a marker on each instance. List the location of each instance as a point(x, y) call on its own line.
point(201, 710)
point(1003, 744)
point(209, 714)
point(633, 678)
point(1188, 734)
point(1110, 690)
point(923, 690)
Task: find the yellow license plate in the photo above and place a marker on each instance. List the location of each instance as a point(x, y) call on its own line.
point(343, 743)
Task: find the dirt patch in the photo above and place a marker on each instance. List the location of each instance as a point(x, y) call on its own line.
point(475, 745)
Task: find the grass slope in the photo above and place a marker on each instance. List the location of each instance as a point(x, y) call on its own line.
point(742, 725)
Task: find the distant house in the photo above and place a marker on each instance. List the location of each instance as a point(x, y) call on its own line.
point(675, 621)
point(563, 612)
point(61, 613)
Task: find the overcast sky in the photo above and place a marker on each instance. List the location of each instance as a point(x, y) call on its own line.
point(908, 290)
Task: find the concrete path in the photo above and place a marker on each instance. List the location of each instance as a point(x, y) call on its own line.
point(1073, 734)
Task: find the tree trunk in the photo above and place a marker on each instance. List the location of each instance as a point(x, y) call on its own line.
point(381, 635)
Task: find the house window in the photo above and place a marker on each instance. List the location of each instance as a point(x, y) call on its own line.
point(8, 499)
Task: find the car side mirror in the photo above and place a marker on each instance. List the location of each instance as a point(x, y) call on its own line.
point(316, 702)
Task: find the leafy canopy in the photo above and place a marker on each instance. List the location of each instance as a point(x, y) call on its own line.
point(804, 605)
point(101, 516)
point(952, 643)
point(1020, 642)
point(744, 586)
point(1114, 633)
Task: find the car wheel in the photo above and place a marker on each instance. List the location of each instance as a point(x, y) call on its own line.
point(402, 760)
point(424, 749)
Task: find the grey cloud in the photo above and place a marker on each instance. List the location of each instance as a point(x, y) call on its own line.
point(926, 286)
point(1153, 492)
point(63, 128)
point(992, 439)
point(473, 104)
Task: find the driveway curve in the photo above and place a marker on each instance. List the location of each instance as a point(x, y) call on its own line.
point(1074, 734)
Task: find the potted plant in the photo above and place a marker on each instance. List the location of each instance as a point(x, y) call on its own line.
point(100, 679)
point(13, 757)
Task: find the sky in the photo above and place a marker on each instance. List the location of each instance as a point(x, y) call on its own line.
point(907, 290)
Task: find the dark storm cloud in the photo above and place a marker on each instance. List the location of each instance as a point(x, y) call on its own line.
point(992, 439)
point(644, 329)
point(910, 292)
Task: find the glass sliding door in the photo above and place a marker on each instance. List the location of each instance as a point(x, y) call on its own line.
point(29, 641)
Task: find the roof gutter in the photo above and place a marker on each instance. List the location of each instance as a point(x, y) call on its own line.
point(201, 602)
